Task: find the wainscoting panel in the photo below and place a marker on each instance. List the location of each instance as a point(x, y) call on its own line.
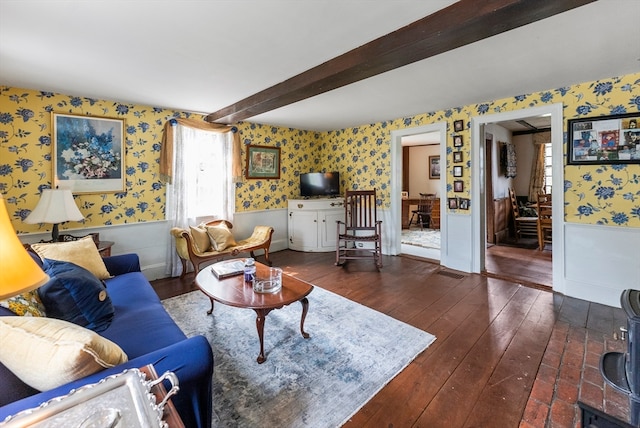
point(600, 262)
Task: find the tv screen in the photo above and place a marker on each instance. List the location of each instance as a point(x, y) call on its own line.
point(319, 184)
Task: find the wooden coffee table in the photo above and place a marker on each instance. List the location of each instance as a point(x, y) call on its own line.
point(234, 291)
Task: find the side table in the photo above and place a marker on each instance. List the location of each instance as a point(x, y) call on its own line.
point(104, 248)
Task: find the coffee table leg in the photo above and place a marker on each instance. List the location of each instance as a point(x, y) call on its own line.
point(260, 319)
point(305, 308)
point(210, 311)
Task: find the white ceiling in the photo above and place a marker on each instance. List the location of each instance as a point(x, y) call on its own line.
point(202, 56)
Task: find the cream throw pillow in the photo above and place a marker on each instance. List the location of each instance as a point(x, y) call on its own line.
point(46, 353)
point(82, 252)
point(221, 237)
point(200, 238)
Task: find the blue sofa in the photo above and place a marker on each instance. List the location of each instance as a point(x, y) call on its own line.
point(148, 335)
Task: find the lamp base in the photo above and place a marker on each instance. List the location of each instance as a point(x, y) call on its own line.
point(55, 234)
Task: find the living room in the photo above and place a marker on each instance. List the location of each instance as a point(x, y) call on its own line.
point(365, 154)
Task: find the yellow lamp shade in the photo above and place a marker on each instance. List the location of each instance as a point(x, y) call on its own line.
point(19, 273)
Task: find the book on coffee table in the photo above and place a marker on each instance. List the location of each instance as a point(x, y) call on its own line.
point(227, 268)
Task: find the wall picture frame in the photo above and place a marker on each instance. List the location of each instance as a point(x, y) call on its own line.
point(263, 162)
point(88, 153)
point(458, 186)
point(458, 125)
point(434, 167)
point(457, 141)
point(457, 171)
point(453, 203)
point(464, 203)
point(457, 157)
point(613, 139)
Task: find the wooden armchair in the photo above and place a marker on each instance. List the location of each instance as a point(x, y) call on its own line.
point(187, 248)
point(361, 226)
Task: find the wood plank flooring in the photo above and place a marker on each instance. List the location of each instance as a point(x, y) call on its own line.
point(492, 335)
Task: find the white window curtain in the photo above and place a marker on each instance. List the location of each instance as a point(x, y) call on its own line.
point(202, 181)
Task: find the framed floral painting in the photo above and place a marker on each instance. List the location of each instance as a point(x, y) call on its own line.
point(88, 153)
point(263, 162)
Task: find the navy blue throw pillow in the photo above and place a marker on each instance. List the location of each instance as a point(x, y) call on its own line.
point(74, 294)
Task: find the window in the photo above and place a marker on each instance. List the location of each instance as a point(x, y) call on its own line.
point(548, 170)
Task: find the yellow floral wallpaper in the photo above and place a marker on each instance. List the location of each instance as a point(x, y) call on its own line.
point(26, 146)
point(593, 194)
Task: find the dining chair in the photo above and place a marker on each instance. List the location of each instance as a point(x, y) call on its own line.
point(545, 230)
point(523, 226)
point(423, 211)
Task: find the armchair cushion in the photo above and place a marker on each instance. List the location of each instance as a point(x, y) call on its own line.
point(220, 237)
point(200, 238)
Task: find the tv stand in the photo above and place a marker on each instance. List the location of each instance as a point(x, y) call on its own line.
point(312, 223)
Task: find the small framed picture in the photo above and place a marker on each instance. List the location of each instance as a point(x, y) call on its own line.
point(453, 203)
point(404, 195)
point(457, 171)
point(458, 186)
point(464, 203)
point(457, 157)
point(458, 125)
point(457, 141)
point(434, 167)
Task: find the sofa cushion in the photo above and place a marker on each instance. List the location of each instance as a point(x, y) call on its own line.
point(82, 252)
point(25, 304)
point(200, 238)
point(220, 237)
point(140, 324)
point(46, 353)
point(74, 294)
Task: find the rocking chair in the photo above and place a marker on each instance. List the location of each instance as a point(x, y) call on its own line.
point(361, 229)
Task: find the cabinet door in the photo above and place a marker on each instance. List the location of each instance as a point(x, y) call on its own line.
point(303, 230)
point(328, 227)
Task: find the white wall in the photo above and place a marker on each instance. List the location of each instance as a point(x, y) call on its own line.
point(419, 181)
point(524, 162)
point(501, 183)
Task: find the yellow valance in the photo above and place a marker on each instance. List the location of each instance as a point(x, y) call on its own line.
point(166, 152)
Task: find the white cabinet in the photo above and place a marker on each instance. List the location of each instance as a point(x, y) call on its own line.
point(312, 223)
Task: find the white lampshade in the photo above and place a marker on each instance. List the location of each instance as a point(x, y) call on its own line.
point(55, 206)
point(18, 272)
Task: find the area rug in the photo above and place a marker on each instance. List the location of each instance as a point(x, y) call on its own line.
point(322, 381)
point(426, 238)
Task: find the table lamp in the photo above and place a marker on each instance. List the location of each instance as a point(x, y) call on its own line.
point(19, 273)
point(55, 206)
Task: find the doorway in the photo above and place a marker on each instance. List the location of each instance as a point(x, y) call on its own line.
point(419, 151)
point(479, 225)
point(437, 133)
point(510, 254)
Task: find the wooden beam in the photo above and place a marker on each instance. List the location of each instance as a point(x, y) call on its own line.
point(462, 23)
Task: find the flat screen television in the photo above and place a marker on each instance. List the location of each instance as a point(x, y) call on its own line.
point(319, 184)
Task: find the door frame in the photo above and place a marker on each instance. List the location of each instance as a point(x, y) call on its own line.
point(396, 184)
point(478, 191)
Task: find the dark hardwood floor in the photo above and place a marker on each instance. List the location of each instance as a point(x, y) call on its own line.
point(492, 337)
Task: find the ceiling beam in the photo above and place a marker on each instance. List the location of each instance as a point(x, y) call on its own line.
point(462, 23)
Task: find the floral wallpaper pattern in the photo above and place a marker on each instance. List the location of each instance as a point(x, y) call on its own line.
point(26, 146)
point(593, 194)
